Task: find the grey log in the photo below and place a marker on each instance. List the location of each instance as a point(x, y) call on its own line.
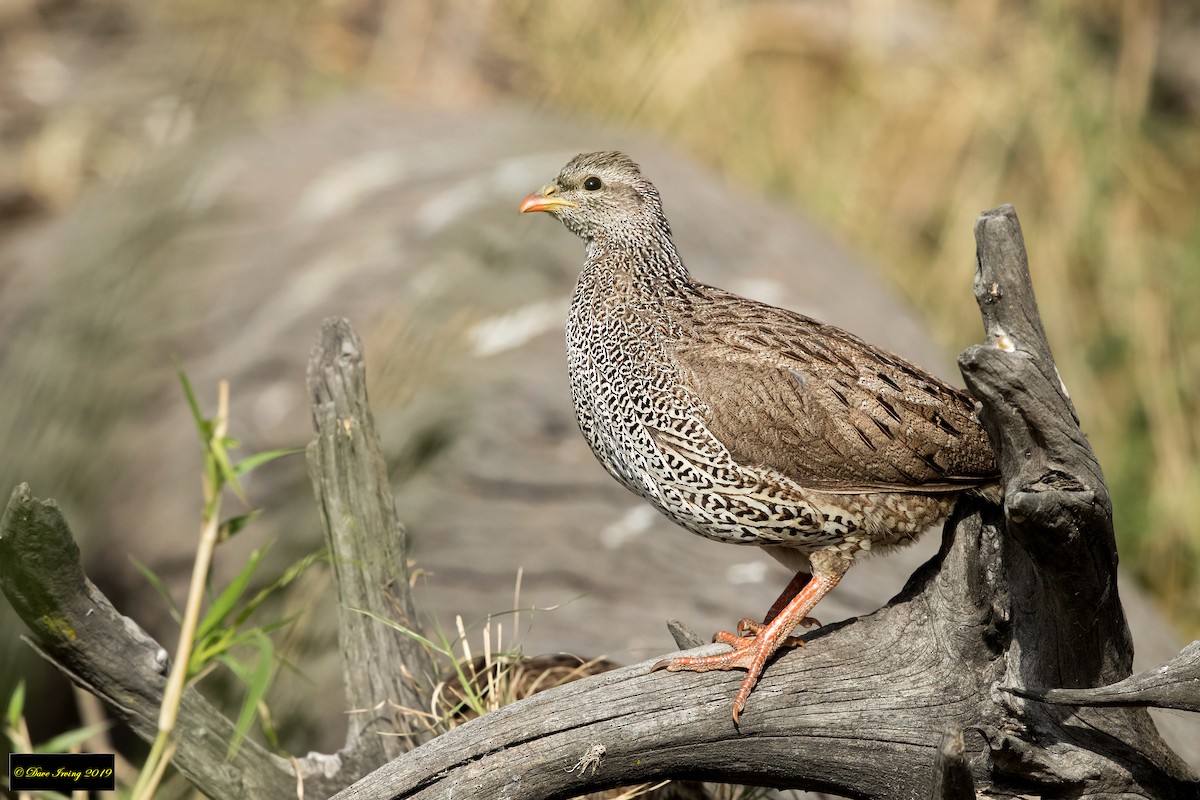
point(79, 631)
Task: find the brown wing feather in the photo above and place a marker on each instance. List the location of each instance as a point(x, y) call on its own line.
point(822, 406)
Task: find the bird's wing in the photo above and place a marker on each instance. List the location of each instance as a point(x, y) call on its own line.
point(822, 406)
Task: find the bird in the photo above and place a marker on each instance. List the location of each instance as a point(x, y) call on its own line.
point(744, 422)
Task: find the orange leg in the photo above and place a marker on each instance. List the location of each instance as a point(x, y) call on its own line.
point(798, 582)
point(751, 654)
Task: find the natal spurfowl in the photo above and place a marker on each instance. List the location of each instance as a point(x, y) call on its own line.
point(743, 422)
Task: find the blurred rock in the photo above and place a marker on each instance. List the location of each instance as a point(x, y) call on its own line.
point(229, 254)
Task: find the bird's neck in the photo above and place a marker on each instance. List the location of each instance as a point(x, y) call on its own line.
point(645, 264)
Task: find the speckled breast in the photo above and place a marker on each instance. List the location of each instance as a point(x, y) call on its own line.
point(647, 428)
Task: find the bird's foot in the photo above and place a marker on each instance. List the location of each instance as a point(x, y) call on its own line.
point(747, 626)
point(747, 632)
point(749, 653)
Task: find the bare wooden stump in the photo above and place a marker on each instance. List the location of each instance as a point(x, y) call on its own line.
point(952, 772)
point(384, 671)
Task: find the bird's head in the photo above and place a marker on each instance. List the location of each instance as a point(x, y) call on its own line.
point(600, 195)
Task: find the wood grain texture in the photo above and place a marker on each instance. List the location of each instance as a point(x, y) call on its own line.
point(384, 670)
point(848, 713)
point(1175, 684)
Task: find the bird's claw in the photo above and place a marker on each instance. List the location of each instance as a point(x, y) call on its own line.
point(747, 629)
point(749, 653)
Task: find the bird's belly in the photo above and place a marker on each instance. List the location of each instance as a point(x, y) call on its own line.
point(649, 434)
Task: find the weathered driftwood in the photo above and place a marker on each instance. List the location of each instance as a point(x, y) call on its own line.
point(1020, 596)
point(1175, 684)
point(922, 698)
point(79, 631)
point(384, 670)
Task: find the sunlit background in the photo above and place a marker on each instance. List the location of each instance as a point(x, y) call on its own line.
point(894, 123)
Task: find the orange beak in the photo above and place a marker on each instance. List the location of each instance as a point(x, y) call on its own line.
point(544, 200)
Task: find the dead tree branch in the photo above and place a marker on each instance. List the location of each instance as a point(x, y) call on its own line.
point(78, 630)
point(1175, 684)
point(383, 669)
point(1020, 596)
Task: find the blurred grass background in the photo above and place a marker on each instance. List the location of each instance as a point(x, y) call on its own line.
point(894, 122)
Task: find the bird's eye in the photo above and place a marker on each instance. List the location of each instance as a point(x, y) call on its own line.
point(592, 183)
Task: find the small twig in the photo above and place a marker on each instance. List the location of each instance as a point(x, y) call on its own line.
point(1175, 684)
point(685, 638)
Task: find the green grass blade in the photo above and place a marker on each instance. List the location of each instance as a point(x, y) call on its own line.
point(228, 598)
point(203, 425)
point(391, 623)
point(250, 463)
point(274, 625)
point(234, 525)
point(158, 585)
point(216, 643)
point(295, 670)
point(294, 571)
point(16, 705)
point(220, 455)
point(257, 682)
